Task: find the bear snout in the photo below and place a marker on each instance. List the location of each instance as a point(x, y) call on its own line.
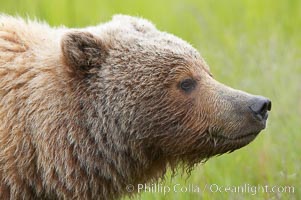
point(260, 107)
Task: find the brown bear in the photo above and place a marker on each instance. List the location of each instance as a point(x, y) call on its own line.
point(85, 112)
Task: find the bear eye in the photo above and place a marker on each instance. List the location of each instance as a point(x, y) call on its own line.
point(188, 84)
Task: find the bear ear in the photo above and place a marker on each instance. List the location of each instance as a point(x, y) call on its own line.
point(83, 51)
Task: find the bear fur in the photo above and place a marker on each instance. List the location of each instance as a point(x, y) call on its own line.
point(85, 112)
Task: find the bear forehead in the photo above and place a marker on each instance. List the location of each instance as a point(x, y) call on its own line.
point(133, 23)
point(130, 31)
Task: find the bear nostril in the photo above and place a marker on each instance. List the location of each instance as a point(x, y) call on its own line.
point(269, 105)
point(260, 107)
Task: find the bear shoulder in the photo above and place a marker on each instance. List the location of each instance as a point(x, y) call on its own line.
point(18, 35)
point(11, 36)
point(23, 39)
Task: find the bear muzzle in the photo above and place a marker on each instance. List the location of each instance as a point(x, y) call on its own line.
point(242, 118)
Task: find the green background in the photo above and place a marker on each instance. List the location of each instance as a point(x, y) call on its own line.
point(252, 45)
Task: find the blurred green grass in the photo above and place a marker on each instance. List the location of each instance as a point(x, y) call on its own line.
point(251, 45)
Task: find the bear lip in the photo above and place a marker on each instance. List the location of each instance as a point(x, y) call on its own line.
point(239, 137)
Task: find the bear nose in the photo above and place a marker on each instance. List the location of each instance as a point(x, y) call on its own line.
point(260, 107)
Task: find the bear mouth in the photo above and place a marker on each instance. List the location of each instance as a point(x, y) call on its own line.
point(244, 137)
